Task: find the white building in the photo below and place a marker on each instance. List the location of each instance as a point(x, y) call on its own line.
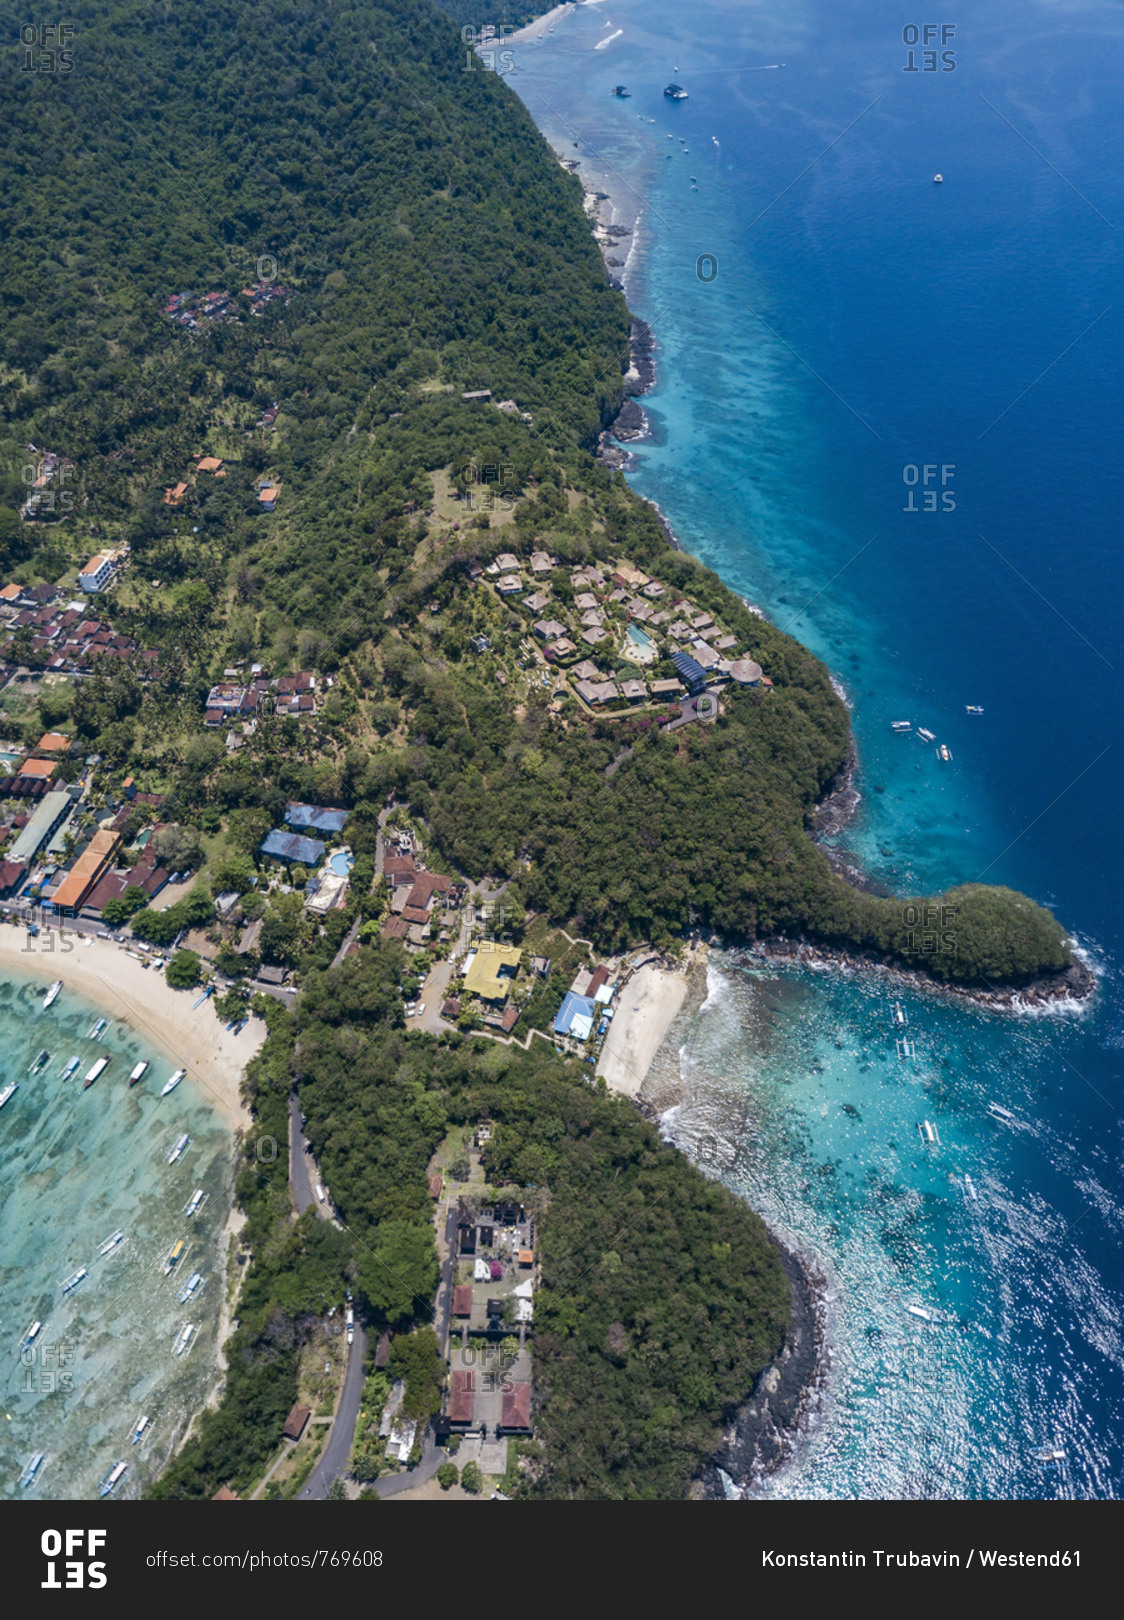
point(98, 571)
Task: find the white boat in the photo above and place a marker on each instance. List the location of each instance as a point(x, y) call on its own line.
point(138, 1073)
point(171, 1084)
point(944, 752)
point(186, 1334)
point(28, 1476)
point(926, 736)
point(72, 1281)
point(141, 1425)
point(899, 1015)
point(906, 1049)
point(195, 1202)
point(1050, 1455)
point(920, 1312)
point(9, 1092)
point(938, 179)
point(92, 1073)
point(970, 1189)
point(972, 708)
point(1003, 1114)
point(929, 1134)
point(32, 1334)
point(175, 1254)
point(52, 994)
point(95, 1029)
point(110, 1244)
point(71, 1069)
point(178, 1148)
point(191, 1287)
point(111, 1480)
point(901, 725)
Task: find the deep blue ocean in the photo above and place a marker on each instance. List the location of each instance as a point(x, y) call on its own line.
point(830, 323)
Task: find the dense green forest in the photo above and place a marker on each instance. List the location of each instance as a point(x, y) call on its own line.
point(393, 233)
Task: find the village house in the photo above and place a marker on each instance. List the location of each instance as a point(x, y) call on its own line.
point(99, 571)
point(562, 648)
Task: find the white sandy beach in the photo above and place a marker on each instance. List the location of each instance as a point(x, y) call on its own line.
point(647, 1007)
point(193, 1038)
point(540, 26)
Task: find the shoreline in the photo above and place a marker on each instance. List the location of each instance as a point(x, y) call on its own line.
point(648, 1004)
point(121, 987)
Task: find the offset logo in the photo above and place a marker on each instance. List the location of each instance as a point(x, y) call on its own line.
point(929, 36)
point(80, 1568)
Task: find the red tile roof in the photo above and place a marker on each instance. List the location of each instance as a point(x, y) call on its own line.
point(462, 1300)
point(516, 1410)
point(462, 1392)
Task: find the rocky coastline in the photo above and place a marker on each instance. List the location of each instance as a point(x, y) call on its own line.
point(759, 1436)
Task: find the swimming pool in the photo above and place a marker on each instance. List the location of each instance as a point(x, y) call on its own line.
point(636, 635)
point(341, 862)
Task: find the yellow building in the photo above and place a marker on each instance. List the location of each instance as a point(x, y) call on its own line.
point(492, 970)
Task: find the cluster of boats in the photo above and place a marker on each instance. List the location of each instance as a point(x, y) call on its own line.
point(905, 727)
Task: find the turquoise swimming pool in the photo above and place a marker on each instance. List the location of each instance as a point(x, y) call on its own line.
point(636, 635)
point(341, 862)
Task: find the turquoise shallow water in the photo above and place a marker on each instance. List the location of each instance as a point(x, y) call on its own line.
point(76, 1166)
point(829, 324)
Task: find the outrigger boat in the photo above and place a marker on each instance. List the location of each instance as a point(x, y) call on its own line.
point(96, 1029)
point(138, 1430)
point(926, 736)
point(110, 1244)
point(970, 1189)
point(929, 1134)
point(901, 725)
point(1003, 1114)
point(191, 1287)
point(41, 1062)
point(71, 1069)
point(28, 1476)
point(111, 1480)
point(195, 1202)
point(73, 1280)
point(95, 1070)
point(906, 1049)
point(31, 1335)
point(186, 1334)
point(178, 1149)
point(175, 1254)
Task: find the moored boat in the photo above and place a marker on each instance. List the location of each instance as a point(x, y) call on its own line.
point(970, 1189)
point(195, 1202)
point(94, 1071)
point(1000, 1113)
point(28, 1476)
point(52, 994)
point(926, 736)
point(40, 1062)
point(929, 1133)
point(9, 1092)
point(32, 1334)
point(171, 1083)
point(178, 1149)
point(71, 1069)
point(920, 1312)
point(191, 1287)
point(96, 1029)
point(138, 1429)
point(675, 92)
point(901, 725)
point(110, 1244)
point(110, 1481)
point(138, 1073)
point(175, 1255)
point(73, 1280)
point(184, 1338)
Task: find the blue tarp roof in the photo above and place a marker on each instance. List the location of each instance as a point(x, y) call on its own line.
point(292, 847)
point(574, 1006)
point(311, 815)
point(691, 672)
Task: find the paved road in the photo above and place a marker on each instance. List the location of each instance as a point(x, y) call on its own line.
point(303, 1173)
point(334, 1457)
point(348, 939)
